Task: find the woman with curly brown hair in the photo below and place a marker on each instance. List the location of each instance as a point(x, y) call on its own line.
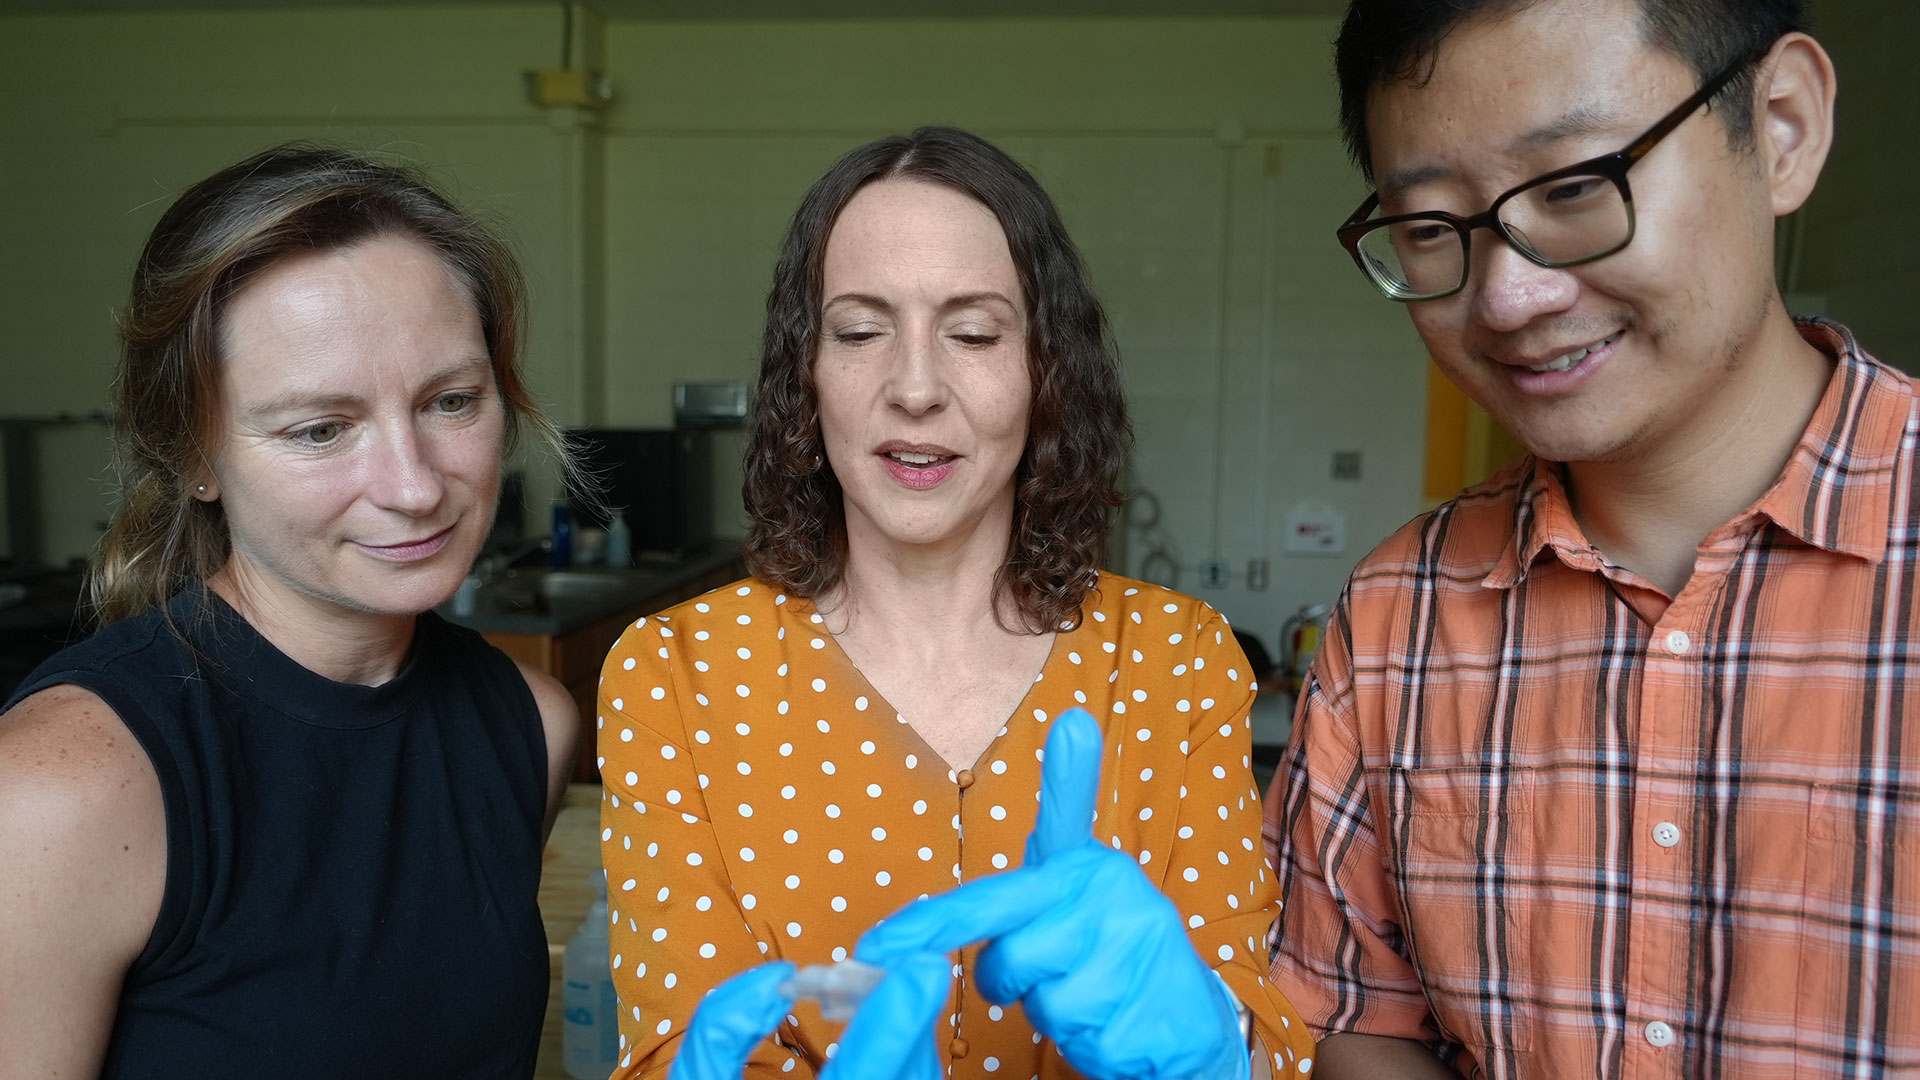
point(790, 759)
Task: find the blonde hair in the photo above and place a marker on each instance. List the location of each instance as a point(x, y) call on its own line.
point(293, 199)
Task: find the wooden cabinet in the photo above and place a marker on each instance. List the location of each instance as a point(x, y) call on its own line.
point(574, 656)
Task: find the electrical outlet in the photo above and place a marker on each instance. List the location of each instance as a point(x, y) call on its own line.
point(1256, 574)
point(1346, 464)
point(1213, 573)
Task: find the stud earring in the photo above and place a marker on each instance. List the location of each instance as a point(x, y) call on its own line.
point(201, 489)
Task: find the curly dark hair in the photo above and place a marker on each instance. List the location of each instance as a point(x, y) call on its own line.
point(1077, 434)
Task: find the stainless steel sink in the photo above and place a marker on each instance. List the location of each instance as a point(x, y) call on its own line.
point(538, 589)
point(570, 583)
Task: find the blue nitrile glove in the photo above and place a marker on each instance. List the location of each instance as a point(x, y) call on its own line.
point(1098, 957)
point(890, 1037)
point(730, 1022)
point(892, 1034)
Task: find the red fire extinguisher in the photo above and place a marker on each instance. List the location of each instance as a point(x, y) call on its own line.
point(1299, 639)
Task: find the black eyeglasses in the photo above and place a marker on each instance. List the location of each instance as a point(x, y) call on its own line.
point(1564, 218)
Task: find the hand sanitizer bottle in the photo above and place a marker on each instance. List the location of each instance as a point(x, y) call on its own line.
point(619, 542)
point(590, 1034)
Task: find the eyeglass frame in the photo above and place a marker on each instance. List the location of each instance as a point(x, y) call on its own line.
point(1612, 167)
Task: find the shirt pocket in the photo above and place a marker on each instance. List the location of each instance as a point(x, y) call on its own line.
point(1859, 950)
point(1460, 851)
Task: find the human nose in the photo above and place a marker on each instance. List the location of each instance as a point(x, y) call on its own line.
point(917, 380)
point(403, 474)
point(1508, 290)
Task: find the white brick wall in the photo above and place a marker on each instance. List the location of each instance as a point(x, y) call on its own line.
point(650, 238)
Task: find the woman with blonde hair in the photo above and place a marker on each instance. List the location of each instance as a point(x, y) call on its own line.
point(276, 817)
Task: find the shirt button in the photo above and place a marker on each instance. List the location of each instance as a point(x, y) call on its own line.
point(1666, 834)
point(958, 1048)
point(1659, 1034)
point(1678, 642)
point(966, 781)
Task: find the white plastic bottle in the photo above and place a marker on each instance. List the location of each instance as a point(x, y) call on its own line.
point(619, 542)
point(590, 1033)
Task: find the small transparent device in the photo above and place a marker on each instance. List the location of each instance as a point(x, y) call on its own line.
point(839, 988)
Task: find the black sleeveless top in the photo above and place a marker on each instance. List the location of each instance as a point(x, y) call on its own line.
point(351, 871)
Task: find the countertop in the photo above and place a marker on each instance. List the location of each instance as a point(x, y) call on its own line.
point(514, 604)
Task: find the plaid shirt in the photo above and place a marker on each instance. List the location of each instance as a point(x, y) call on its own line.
point(1543, 818)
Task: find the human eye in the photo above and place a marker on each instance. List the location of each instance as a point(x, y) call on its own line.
point(858, 333)
point(1420, 233)
point(454, 402)
point(1574, 189)
point(975, 337)
point(316, 436)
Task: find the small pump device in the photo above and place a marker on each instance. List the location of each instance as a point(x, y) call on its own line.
point(839, 988)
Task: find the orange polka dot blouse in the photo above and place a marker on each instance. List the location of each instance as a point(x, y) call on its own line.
point(764, 802)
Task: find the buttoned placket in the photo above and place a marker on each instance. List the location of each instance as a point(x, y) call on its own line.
point(1664, 854)
point(957, 1048)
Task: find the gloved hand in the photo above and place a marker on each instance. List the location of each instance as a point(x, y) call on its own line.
point(891, 1036)
point(730, 1022)
point(1096, 955)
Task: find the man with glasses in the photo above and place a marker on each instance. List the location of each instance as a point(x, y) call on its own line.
point(1602, 770)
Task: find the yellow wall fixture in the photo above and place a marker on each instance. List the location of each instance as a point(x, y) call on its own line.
point(561, 88)
point(1464, 444)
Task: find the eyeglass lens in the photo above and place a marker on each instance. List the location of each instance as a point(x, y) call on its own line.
point(1556, 222)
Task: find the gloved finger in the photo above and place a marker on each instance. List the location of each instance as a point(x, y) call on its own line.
point(731, 1022)
point(983, 908)
point(1069, 786)
point(892, 1034)
point(1051, 947)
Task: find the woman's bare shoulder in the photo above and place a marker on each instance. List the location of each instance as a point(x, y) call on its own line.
point(80, 804)
point(83, 837)
point(65, 743)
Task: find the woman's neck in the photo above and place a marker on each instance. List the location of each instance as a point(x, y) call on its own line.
point(931, 630)
point(347, 646)
point(917, 592)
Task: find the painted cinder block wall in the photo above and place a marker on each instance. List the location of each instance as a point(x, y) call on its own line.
point(1195, 161)
point(103, 119)
point(1196, 165)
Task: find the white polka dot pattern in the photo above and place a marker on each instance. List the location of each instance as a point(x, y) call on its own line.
point(765, 804)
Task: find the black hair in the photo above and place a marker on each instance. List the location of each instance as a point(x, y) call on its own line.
point(1383, 41)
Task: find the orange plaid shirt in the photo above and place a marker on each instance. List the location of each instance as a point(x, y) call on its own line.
point(1556, 824)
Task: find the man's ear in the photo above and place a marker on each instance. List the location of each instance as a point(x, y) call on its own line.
point(1793, 118)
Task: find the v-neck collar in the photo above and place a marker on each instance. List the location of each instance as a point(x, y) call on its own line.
point(803, 609)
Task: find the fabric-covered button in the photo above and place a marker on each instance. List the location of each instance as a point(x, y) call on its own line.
point(966, 779)
point(1678, 642)
point(1659, 1034)
point(1666, 834)
point(958, 1048)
